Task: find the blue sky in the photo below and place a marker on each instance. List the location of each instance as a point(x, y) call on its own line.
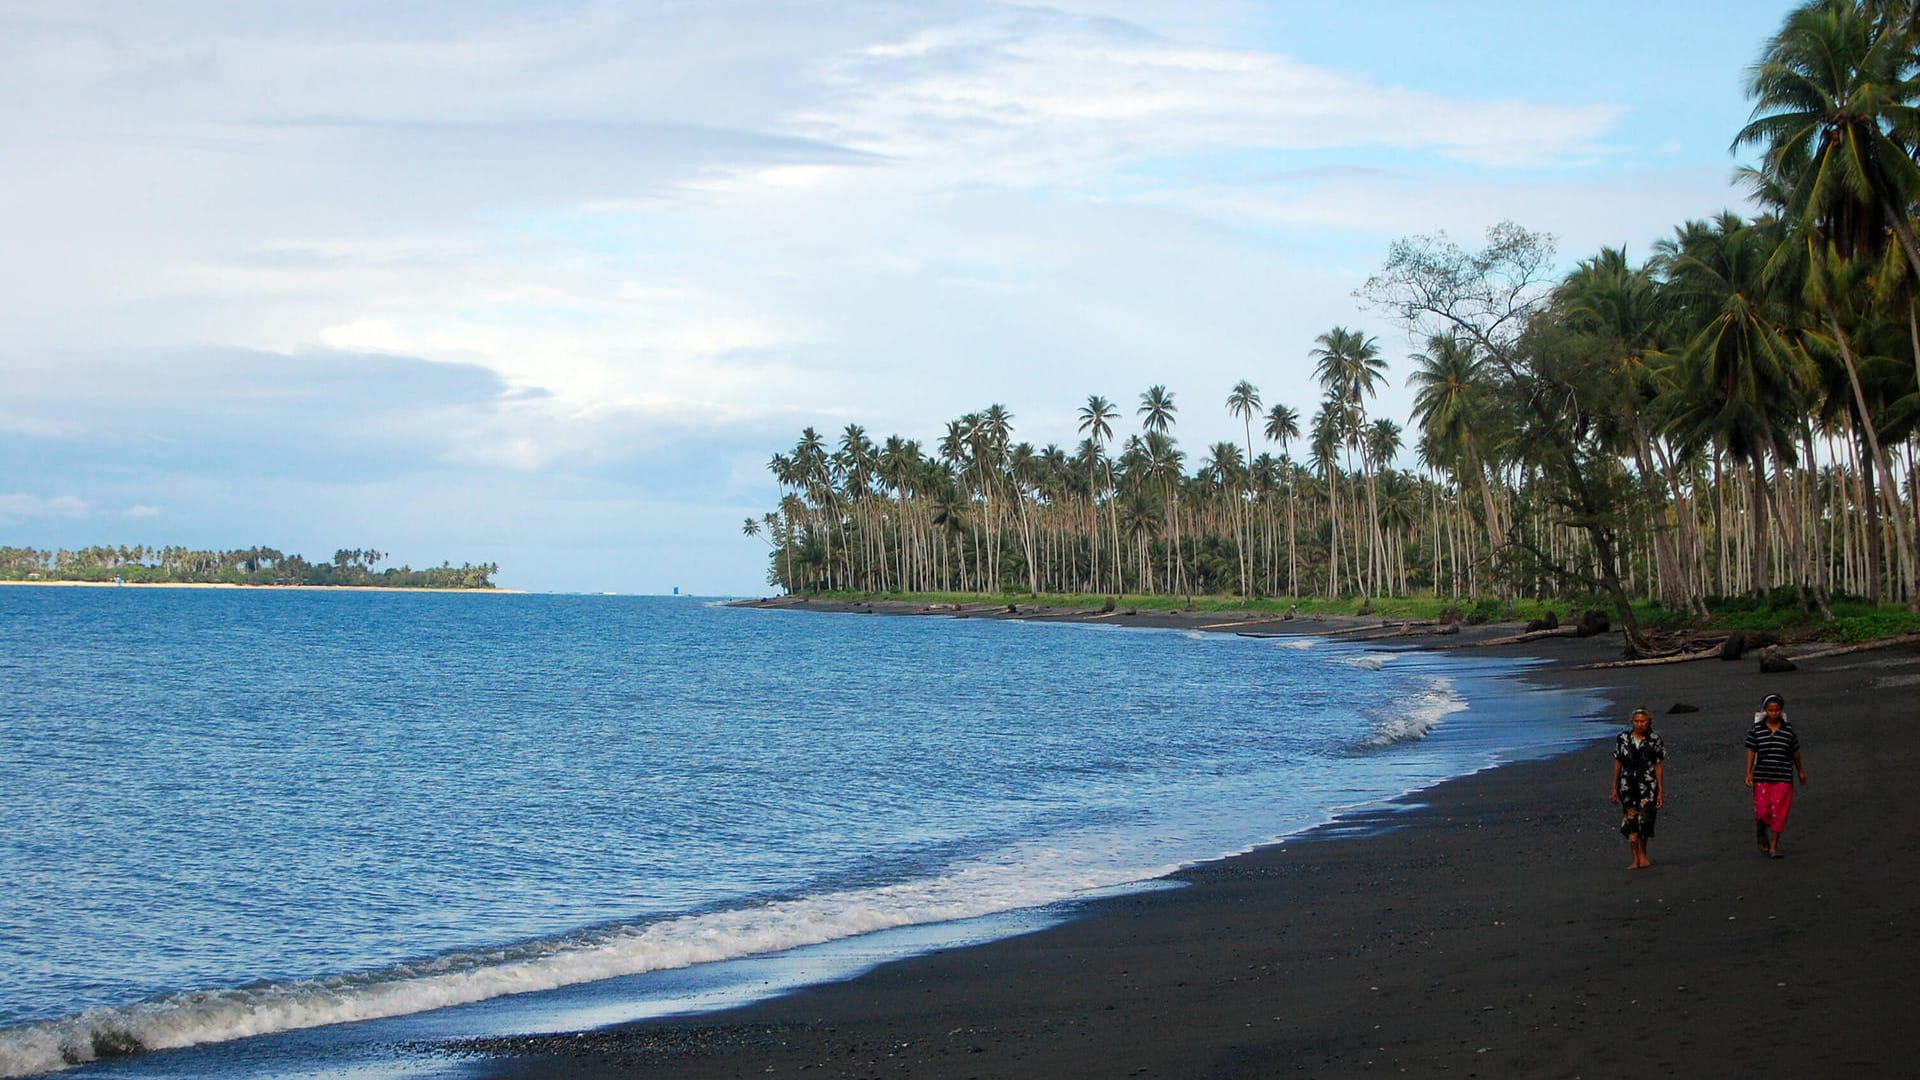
point(546, 283)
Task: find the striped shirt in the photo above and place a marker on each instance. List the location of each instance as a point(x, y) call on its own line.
point(1772, 752)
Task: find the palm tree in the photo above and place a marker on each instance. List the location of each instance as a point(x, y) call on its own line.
point(1324, 453)
point(1451, 384)
point(1226, 468)
point(1156, 412)
point(1624, 314)
point(1350, 369)
point(1348, 362)
point(1244, 401)
point(1742, 383)
point(814, 473)
point(1835, 116)
point(1096, 423)
point(1024, 473)
point(1140, 520)
point(1162, 461)
point(1283, 424)
point(1156, 409)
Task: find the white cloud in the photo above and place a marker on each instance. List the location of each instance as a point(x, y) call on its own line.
point(1026, 105)
point(571, 240)
point(20, 506)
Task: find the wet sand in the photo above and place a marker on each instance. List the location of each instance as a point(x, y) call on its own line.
point(1490, 928)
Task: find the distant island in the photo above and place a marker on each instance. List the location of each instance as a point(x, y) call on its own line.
point(139, 565)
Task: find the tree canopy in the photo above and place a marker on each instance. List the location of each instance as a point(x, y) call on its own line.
point(1735, 415)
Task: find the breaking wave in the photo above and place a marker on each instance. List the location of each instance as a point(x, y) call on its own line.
point(1420, 714)
point(1008, 881)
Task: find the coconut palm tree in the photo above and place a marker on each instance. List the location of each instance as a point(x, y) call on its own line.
point(1836, 111)
point(1156, 414)
point(1349, 363)
point(1283, 424)
point(1837, 116)
point(1244, 401)
point(1096, 423)
point(1162, 460)
point(1226, 470)
point(1156, 410)
point(1453, 386)
point(1741, 383)
point(1624, 313)
point(1350, 369)
point(1140, 521)
point(1326, 433)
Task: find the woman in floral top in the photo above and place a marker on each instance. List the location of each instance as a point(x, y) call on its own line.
point(1639, 783)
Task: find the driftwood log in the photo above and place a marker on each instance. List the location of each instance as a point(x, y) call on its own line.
point(1859, 646)
point(1649, 661)
point(1512, 639)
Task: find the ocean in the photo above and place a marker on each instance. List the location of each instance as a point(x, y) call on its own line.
point(286, 833)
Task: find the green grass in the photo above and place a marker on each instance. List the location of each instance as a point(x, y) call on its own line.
point(1854, 620)
point(1871, 625)
point(1423, 607)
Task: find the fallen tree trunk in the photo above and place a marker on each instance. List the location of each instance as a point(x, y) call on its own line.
point(1515, 639)
point(1647, 661)
point(1860, 646)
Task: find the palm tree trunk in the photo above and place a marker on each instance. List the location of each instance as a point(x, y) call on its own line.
point(1757, 511)
point(1873, 448)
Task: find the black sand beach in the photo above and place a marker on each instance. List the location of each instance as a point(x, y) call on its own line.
point(1491, 930)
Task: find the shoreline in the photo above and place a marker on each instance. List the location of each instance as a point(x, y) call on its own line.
point(1485, 926)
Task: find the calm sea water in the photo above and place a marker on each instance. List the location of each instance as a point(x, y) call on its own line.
point(233, 813)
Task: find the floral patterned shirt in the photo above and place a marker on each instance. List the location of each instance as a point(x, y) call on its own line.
point(1637, 758)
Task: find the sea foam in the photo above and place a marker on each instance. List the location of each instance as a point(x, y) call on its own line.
point(1023, 877)
point(1419, 714)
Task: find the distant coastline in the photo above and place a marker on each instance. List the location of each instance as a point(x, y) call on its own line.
point(259, 566)
point(261, 588)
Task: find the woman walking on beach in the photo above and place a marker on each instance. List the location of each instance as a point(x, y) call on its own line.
point(1773, 760)
point(1639, 783)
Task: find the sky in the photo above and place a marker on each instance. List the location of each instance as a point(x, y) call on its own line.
point(546, 283)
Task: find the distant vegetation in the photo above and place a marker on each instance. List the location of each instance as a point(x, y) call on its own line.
point(1852, 618)
point(1734, 419)
point(249, 566)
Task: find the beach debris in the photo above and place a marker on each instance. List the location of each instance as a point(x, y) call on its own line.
point(1773, 660)
point(1648, 661)
point(1510, 639)
point(1862, 646)
point(1681, 707)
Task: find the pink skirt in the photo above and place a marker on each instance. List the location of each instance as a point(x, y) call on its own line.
point(1771, 801)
